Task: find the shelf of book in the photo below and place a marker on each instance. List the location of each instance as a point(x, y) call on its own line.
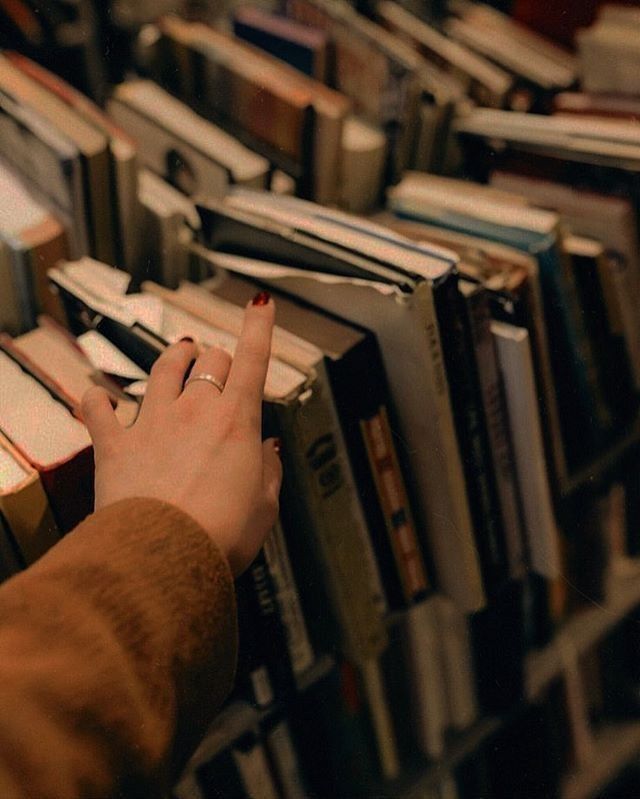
point(586, 627)
point(613, 748)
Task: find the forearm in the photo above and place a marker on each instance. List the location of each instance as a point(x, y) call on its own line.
point(116, 648)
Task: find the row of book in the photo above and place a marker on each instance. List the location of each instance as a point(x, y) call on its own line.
point(423, 673)
point(443, 371)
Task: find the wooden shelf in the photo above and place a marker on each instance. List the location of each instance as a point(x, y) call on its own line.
point(417, 786)
point(595, 470)
point(585, 628)
point(614, 747)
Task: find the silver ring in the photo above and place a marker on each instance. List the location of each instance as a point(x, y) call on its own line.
point(207, 378)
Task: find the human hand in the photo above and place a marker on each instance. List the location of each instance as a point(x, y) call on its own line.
point(198, 448)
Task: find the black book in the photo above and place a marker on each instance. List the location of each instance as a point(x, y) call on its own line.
point(463, 372)
point(267, 670)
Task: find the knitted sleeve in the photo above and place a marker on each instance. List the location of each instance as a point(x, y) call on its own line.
point(116, 649)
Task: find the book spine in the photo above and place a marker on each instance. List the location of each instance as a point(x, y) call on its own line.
point(298, 642)
point(582, 414)
point(495, 413)
point(270, 637)
point(251, 761)
point(514, 356)
point(361, 396)
point(447, 502)
point(395, 506)
point(283, 755)
point(462, 372)
point(325, 516)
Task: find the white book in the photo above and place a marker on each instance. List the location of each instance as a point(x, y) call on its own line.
point(364, 153)
point(514, 357)
point(173, 140)
point(457, 662)
point(169, 220)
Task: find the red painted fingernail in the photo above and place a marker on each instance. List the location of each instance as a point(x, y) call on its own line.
point(277, 445)
point(261, 298)
point(186, 338)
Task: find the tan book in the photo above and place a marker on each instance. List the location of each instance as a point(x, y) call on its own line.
point(50, 351)
point(24, 504)
point(63, 456)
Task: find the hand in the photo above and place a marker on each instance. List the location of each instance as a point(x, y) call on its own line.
point(198, 448)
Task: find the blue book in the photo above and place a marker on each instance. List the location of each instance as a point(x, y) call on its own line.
point(484, 212)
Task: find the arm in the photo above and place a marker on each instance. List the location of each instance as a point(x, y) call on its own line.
point(117, 648)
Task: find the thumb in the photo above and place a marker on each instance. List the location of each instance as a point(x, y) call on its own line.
point(99, 417)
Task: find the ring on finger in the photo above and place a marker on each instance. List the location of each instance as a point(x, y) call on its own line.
point(208, 378)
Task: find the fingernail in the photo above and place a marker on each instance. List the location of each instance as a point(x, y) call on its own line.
point(261, 298)
point(186, 338)
point(277, 445)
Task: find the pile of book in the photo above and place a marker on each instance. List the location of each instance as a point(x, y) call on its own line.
point(454, 376)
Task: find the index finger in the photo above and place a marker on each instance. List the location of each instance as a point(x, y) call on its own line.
point(248, 373)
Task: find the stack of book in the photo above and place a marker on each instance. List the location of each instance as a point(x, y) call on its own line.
point(454, 377)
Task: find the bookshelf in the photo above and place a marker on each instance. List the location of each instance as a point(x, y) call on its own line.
point(616, 743)
point(613, 748)
point(593, 472)
point(586, 627)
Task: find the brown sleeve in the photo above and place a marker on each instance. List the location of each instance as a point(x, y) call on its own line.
point(116, 649)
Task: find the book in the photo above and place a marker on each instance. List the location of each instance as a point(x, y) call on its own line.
point(540, 65)
point(457, 206)
point(169, 222)
point(483, 81)
point(52, 354)
point(64, 458)
point(511, 279)
point(51, 166)
point(31, 241)
point(604, 218)
point(124, 159)
point(514, 355)
point(609, 54)
point(367, 297)
point(378, 72)
point(29, 529)
point(461, 359)
point(300, 127)
point(364, 154)
point(92, 145)
point(598, 104)
point(300, 46)
point(191, 153)
point(589, 265)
